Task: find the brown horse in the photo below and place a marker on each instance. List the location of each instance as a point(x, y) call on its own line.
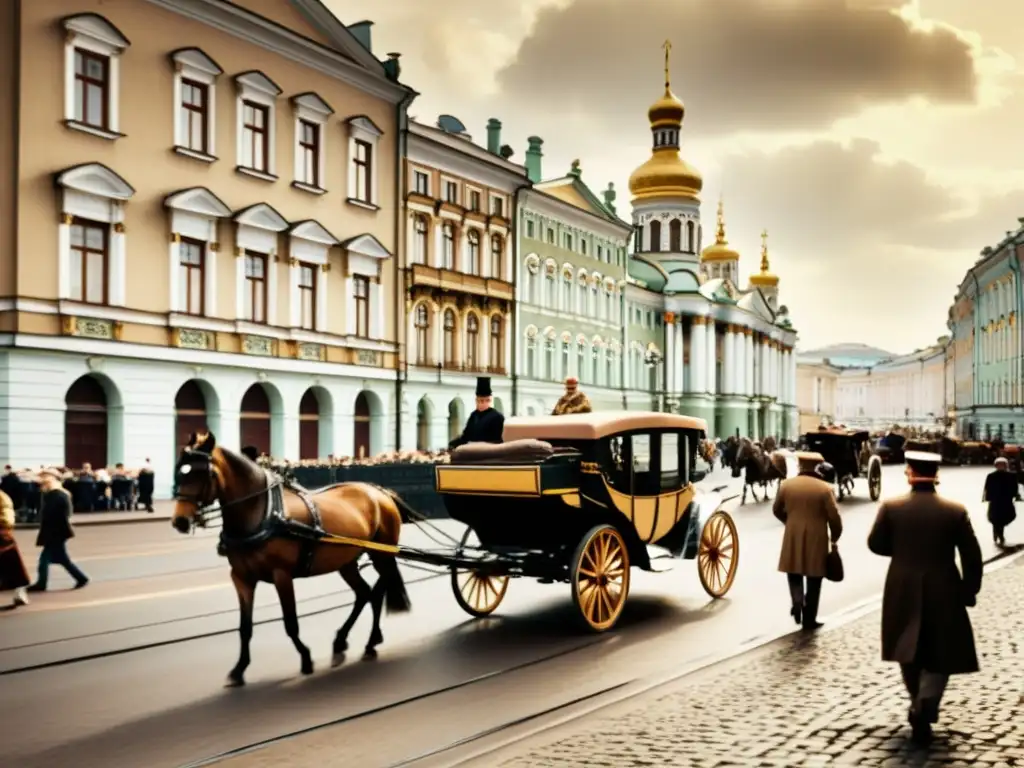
point(758, 468)
point(275, 532)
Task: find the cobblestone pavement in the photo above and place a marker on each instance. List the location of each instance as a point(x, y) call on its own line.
point(815, 701)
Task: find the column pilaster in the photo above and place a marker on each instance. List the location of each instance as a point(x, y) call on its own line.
point(712, 358)
point(670, 348)
point(698, 353)
point(748, 346)
point(679, 356)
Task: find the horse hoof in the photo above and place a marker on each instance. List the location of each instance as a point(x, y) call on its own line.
point(337, 659)
point(307, 667)
point(234, 681)
point(369, 654)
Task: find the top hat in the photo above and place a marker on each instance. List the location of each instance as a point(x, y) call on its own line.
point(483, 386)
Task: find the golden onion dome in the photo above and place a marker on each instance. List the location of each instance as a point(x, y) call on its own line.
point(719, 250)
point(764, 278)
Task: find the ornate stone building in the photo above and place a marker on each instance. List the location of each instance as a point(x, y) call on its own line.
point(693, 338)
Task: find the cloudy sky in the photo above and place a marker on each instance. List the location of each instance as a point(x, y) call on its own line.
point(879, 141)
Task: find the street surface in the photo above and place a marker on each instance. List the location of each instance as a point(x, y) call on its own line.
point(128, 672)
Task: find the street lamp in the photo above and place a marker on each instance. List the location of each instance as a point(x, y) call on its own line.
point(653, 360)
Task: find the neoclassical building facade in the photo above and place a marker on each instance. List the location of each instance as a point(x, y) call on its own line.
point(458, 271)
point(696, 342)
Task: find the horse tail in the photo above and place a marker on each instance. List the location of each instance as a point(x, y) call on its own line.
point(396, 598)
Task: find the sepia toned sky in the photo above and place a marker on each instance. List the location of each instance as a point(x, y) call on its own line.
point(880, 142)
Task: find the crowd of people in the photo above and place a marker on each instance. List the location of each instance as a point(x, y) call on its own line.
point(113, 488)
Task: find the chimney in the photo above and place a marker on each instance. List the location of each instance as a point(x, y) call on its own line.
point(533, 158)
point(361, 31)
point(392, 67)
point(494, 136)
point(609, 197)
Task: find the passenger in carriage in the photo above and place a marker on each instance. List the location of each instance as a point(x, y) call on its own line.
point(573, 401)
point(486, 423)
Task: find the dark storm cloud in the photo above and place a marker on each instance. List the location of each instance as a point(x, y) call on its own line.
point(755, 65)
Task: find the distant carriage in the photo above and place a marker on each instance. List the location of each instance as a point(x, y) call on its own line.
point(849, 453)
point(890, 448)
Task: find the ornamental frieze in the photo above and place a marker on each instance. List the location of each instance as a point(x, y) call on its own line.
point(92, 328)
point(191, 338)
point(258, 345)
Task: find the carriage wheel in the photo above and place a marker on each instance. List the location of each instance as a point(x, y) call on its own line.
point(718, 554)
point(875, 481)
point(600, 577)
point(478, 594)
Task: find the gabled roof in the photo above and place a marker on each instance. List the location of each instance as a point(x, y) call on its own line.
point(571, 189)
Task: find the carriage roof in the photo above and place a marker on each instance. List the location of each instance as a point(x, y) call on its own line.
point(839, 434)
point(594, 426)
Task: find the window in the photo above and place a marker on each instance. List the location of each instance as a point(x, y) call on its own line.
point(529, 229)
point(191, 289)
point(497, 351)
point(472, 342)
point(422, 323)
point(447, 246)
point(361, 298)
point(567, 241)
point(600, 253)
point(567, 295)
point(497, 246)
point(551, 235)
point(421, 183)
point(498, 209)
point(194, 116)
point(449, 338)
point(473, 241)
point(583, 246)
point(307, 296)
point(451, 192)
point(474, 201)
point(549, 358)
point(566, 352)
point(89, 257)
point(309, 154)
point(675, 236)
point(670, 478)
point(92, 89)
point(363, 162)
point(255, 287)
point(690, 235)
point(255, 136)
point(419, 240)
point(655, 237)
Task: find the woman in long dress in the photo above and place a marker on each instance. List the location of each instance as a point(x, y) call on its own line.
point(13, 575)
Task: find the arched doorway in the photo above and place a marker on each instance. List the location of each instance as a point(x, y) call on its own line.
point(85, 423)
point(255, 419)
point(309, 426)
point(189, 412)
point(423, 417)
point(454, 419)
point(361, 448)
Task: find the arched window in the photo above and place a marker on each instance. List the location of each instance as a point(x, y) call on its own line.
point(581, 362)
point(472, 355)
point(497, 340)
point(675, 236)
point(473, 239)
point(497, 248)
point(549, 359)
point(448, 246)
point(655, 236)
point(449, 338)
point(419, 240)
point(566, 358)
point(691, 235)
point(422, 323)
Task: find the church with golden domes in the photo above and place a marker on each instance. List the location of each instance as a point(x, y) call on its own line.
point(705, 345)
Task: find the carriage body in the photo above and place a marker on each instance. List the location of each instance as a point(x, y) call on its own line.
point(890, 448)
point(619, 480)
point(849, 452)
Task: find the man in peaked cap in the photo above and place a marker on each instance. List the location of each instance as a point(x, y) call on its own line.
point(485, 424)
point(573, 401)
point(925, 626)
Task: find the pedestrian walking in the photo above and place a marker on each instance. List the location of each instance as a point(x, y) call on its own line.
point(807, 507)
point(13, 575)
point(54, 531)
point(925, 626)
point(1001, 491)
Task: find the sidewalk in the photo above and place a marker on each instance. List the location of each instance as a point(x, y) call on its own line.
point(810, 701)
point(163, 509)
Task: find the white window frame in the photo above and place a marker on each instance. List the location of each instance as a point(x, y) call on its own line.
point(468, 192)
point(256, 87)
point(365, 256)
point(257, 230)
point(96, 193)
point(504, 205)
point(195, 214)
point(91, 32)
point(192, 64)
point(362, 128)
point(423, 172)
point(311, 108)
point(460, 191)
point(309, 243)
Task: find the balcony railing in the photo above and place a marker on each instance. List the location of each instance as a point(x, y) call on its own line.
point(449, 280)
point(494, 370)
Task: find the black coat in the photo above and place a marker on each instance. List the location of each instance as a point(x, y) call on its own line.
point(481, 427)
point(1001, 490)
point(55, 519)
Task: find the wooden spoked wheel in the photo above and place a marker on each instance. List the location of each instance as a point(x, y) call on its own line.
point(875, 480)
point(718, 554)
point(600, 577)
point(478, 594)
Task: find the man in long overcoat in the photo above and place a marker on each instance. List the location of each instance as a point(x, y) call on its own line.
point(807, 507)
point(925, 626)
point(1001, 491)
point(573, 401)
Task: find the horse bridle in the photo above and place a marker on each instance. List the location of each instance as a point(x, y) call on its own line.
point(205, 499)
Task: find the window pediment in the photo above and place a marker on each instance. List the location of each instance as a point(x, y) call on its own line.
point(261, 216)
point(364, 125)
point(96, 179)
point(312, 231)
point(198, 200)
point(367, 245)
point(254, 80)
point(311, 102)
point(97, 28)
point(194, 58)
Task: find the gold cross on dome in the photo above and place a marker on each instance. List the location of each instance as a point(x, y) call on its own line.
point(668, 49)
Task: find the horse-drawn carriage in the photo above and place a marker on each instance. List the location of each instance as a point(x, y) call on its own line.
point(582, 506)
point(890, 448)
point(952, 450)
point(849, 453)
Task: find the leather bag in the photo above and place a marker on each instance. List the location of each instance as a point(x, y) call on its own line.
point(834, 565)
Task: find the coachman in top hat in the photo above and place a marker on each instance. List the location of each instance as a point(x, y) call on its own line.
point(485, 424)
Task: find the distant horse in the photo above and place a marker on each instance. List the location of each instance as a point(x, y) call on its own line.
point(758, 468)
point(275, 532)
point(769, 444)
point(729, 449)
